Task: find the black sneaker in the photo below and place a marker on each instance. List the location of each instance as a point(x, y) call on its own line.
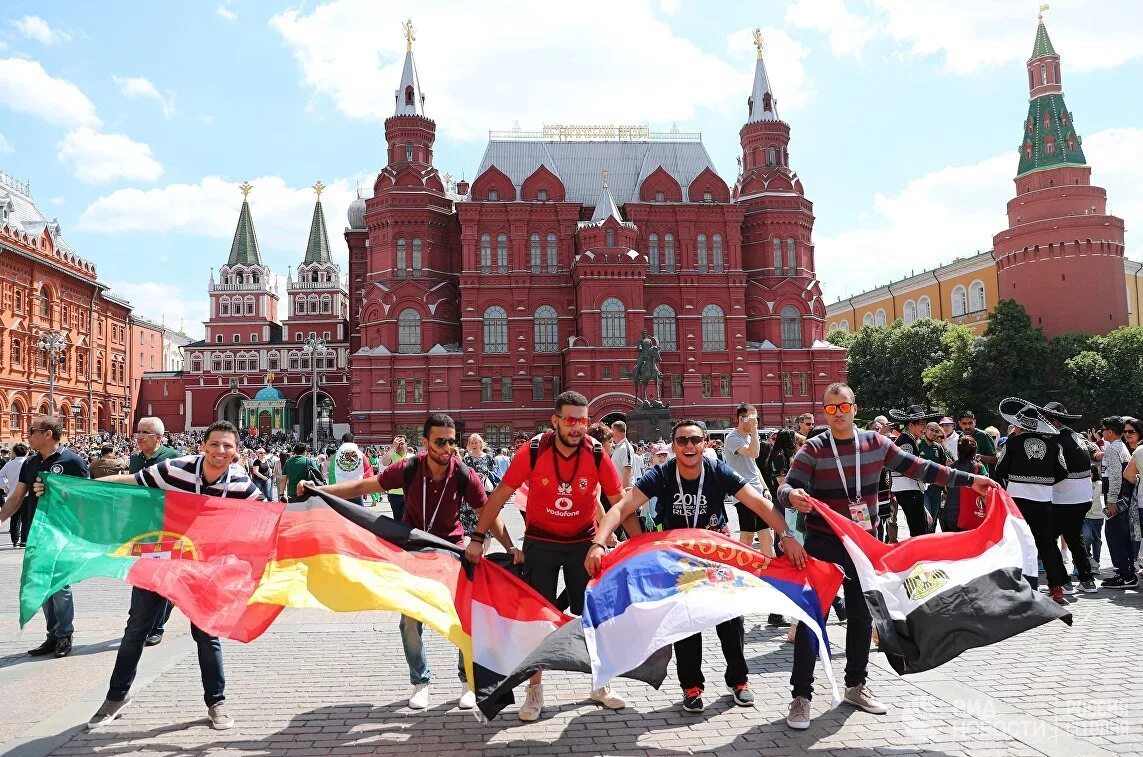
point(743, 696)
point(692, 700)
point(1115, 583)
point(1087, 586)
point(774, 619)
point(153, 640)
point(839, 609)
point(47, 648)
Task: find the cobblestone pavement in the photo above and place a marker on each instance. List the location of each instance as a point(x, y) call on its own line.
point(324, 683)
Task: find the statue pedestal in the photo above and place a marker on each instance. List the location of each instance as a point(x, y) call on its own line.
point(649, 423)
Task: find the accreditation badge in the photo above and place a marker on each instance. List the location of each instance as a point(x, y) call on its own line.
point(859, 514)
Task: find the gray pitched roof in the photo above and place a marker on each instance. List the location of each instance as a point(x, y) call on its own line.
point(409, 79)
point(758, 110)
point(20, 212)
point(580, 164)
point(605, 207)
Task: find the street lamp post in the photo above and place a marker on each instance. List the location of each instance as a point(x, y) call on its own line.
point(53, 343)
point(315, 347)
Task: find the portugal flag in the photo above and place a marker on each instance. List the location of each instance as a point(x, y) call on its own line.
point(205, 554)
point(934, 596)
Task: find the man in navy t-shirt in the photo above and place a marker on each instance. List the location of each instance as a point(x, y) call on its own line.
point(691, 491)
point(48, 457)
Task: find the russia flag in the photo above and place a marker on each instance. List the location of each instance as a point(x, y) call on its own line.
point(660, 587)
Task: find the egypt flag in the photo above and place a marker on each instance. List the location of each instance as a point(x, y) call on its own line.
point(935, 596)
point(205, 554)
point(344, 557)
point(660, 587)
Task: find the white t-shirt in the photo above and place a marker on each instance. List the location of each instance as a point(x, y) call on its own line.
point(624, 456)
point(951, 442)
point(10, 474)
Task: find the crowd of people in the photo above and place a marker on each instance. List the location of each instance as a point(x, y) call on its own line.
point(584, 486)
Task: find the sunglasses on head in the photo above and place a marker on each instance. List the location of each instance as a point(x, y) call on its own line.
point(442, 443)
point(840, 407)
point(684, 441)
point(571, 422)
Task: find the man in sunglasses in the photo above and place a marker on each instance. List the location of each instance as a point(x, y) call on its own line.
point(841, 468)
point(564, 470)
point(432, 504)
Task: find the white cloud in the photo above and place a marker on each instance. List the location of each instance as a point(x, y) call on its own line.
point(27, 88)
point(973, 35)
point(135, 87)
point(34, 27)
point(954, 212)
point(281, 213)
point(5, 148)
point(57, 201)
point(99, 157)
point(161, 302)
point(580, 70)
point(784, 57)
point(848, 32)
point(224, 12)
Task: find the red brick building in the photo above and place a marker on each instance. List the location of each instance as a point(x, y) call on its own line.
point(487, 301)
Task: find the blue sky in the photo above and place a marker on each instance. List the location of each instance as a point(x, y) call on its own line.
point(136, 121)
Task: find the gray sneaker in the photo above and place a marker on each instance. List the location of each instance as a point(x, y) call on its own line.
point(107, 712)
point(800, 714)
point(220, 719)
point(861, 696)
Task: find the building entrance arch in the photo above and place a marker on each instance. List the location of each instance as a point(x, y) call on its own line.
point(610, 418)
point(230, 409)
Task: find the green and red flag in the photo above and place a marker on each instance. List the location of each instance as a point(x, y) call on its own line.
point(205, 554)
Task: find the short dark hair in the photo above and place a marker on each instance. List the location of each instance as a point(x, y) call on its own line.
point(817, 431)
point(966, 414)
point(50, 423)
point(347, 437)
point(106, 449)
point(742, 410)
point(1113, 423)
point(300, 448)
point(574, 399)
point(686, 422)
point(437, 420)
point(225, 427)
point(840, 387)
point(966, 447)
point(19, 449)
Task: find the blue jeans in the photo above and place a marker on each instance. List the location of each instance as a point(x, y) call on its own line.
point(415, 652)
point(59, 612)
point(1117, 531)
point(146, 608)
point(932, 501)
point(1093, 539)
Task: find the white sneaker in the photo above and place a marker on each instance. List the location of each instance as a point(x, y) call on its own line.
point(420, 698)
point(467, 700)
point(533, 702)
point(608, 698)
point(800, 715)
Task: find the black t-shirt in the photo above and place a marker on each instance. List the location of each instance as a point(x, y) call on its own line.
point(263, 469)
point(62, 461)
point(677, 509)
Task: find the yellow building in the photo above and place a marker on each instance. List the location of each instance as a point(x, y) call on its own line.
point(964, 292)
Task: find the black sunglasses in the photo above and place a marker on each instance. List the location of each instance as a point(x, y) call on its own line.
point(442, 443)
point(683, 441)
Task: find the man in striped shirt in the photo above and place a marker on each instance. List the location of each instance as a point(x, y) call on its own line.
point(214, 474)
point(841, 469)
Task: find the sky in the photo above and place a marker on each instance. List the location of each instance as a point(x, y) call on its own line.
point(135, 122)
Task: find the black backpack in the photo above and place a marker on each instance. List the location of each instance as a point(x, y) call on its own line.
point(545, 440)
point(461, 473)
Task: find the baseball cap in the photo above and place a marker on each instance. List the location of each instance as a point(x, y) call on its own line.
point(946, 421)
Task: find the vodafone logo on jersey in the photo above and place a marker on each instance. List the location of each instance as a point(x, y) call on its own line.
point(564, 504)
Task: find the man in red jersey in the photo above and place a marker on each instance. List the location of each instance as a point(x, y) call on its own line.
point(564, 470)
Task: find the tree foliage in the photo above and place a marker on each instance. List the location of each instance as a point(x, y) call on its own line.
point(1107, 378)
point(886, 363)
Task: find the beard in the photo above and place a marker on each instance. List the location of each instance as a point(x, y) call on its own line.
point(568, 441)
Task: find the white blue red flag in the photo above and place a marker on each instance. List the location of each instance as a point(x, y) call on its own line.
point(660, 587)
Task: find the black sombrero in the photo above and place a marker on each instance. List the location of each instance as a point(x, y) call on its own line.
point(1059, 412)
point(915, 414)
point(1026, 416)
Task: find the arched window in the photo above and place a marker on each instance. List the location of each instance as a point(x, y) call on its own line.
point(502, 253)
point(546, 330)
point(610, 237)
point(250, 305)
point(224, 306)
point(909, 312)
point(614, 319)
point(879, 317)
point(240, 362)
point(417, 257)
point(663, 327)
point(976, 301)
point(409, 152)
point(653, 252)
point(409, 331)
point(791, 328)
point(771, 156)
point(400, 263)
point(45, 303)
point(843, 325)
point(17, 352)
point(300, 305)
point(254, 277)
point(959, 301)
point(700, 253)
point(326, 303)
point(485, 253)
point(924, 309)
point(553, 254)
point(669, 253)
point(534, 252)
point(777, 257)
point(495, 330)
point(228, 362)
point(867, 320)
point(791, 258)
point(314, 303)
point(717, 262)
point(713, 328)
point(196, 364)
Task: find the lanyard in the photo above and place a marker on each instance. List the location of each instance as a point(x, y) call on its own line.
point(698, 495)
point(857, 466)
point(425, 499)
point(198, 479)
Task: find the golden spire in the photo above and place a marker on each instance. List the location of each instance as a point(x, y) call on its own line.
point(410, 34)
point(1040, 16)
point(245, 190)
point(318, 187)
point(758, 41)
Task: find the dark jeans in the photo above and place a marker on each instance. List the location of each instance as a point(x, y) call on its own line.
point(146, 607)
point(858, 630)
point(59, 614)
point(1067, 521)
point(27, 511)
point(16, 525)
point(1093, 539)
point(933, 498)
point(543, 561)
point(914, 508)
point(397, 503)
point(1038, 516)
point(161, 619)
point(1117, 533)
point(688, 655)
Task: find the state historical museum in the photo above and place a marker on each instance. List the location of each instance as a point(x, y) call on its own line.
point(487, 301)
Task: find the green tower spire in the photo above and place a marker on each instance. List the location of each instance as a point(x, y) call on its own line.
point(317, 246)
point(244, 248)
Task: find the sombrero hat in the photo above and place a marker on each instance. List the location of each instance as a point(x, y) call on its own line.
point(1058, 411)
point(915, 414)
point(1026, 416)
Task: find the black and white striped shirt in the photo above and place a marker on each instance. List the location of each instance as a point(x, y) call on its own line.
point(183, 474)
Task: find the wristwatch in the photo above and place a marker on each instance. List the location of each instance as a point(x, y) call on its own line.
point(788, 533)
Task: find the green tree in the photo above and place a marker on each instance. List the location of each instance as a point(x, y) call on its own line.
point(841, 338)
point(953, 382)
point(886, 363)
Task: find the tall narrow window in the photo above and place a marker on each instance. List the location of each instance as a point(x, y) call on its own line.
point(724, 385)
point(17, 352)
point(976, 297)
point(713, 328)
point(1043, 73)
point(717, 260)
point(495, 330)
point(408, 152)
point(537, 388)
point(700, 253)
point(676, 386)
point(610, 237)
point(553, 254)
point(663, 326)
point(771, 156)
point(959, 301)
point(401, 261)
point(402, 395)
point(777, 257)
point(909, 312)
point(417, 257)
point(791, 328)
point(409, 331)
point(791, 258)
point(653, 252)
point(326, 303)
point(669, 253)
point(614, 321)
point(706, 385)
point(502, 253)
point(924, 309)
point(485, 253)
point(506, 389)
point(534, 252)
point(546, 329)
point(879, 317)
point(485, 390)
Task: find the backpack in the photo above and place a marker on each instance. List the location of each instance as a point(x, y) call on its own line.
point(545, 440)
point(461, 472)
